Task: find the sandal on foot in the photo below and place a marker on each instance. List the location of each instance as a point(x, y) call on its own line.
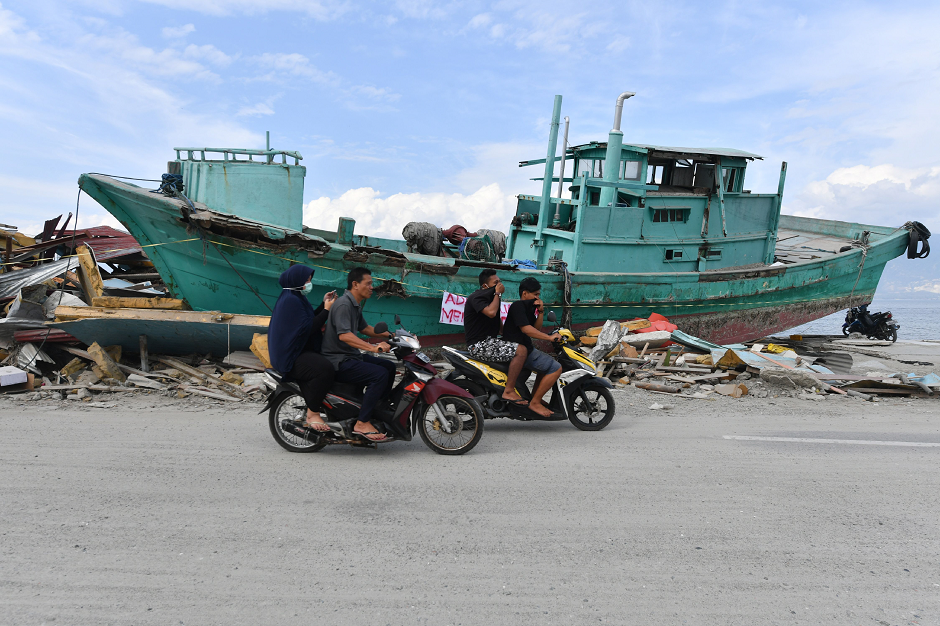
point(320, 427)
point(522, 403)
point(369, 436)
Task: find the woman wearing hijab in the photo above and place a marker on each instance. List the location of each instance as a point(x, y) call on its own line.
point(295, 335)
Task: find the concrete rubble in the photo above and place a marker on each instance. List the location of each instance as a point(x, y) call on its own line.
point(809, 368)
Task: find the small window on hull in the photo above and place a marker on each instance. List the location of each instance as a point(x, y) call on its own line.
point(670, 215)
point(673, 255)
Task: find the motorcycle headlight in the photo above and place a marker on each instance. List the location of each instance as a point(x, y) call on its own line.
point(587, 367)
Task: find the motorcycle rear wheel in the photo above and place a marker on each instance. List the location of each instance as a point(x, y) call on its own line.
point(291, 407)
point(465, 417)
point(891, 335)
point(597, 413)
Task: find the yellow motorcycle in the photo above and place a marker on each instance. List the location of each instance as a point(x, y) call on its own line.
point(579, 395)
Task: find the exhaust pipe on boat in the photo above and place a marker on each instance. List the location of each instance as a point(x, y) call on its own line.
point(618, 110)
point(612, 160)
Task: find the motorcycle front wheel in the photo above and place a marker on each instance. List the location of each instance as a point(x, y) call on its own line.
point(287, 413)
point(464, 420)
point(591, 407)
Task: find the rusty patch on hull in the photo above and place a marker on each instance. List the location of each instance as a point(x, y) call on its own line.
point(736, 326)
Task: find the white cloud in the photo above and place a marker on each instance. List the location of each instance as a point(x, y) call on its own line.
point(481, 20)
point(177, 32)
point(318, 10)
point(262, 108)
point(488, 207)
point(928, 287)
point(293, 64)
point(207, 53)
point(885, 194)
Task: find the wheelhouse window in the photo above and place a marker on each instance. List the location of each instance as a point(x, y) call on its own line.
point(594, 168)
point(730, 177)
point(629, 170)
point(654, 174)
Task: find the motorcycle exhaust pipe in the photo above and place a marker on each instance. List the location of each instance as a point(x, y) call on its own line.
point(294, 429)
point(498, 406)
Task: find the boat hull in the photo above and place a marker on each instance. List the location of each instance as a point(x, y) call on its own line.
point(217, 269)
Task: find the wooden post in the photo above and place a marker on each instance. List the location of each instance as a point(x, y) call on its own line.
point(8, 254)
point(144, 357)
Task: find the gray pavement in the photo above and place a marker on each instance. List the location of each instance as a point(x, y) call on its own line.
point(164, 511)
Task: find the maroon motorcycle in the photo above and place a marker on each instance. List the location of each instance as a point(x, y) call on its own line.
point(448, 418)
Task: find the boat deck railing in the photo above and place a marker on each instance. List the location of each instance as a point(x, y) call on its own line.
point(231, 154)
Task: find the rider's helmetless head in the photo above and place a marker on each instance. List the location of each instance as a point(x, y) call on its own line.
point(488, 278)
point(359, 283)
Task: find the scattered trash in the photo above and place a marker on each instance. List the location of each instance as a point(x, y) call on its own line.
point(735, 391)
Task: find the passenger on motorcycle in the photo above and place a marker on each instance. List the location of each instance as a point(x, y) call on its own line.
point(523, 324)
point(295, 336)
point(343, 349)
point(482, 323)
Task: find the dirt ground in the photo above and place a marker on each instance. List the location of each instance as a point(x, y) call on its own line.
point(780, 510)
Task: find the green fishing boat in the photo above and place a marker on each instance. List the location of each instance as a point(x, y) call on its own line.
point(646, 229)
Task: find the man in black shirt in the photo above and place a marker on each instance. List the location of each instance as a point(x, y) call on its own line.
point(481, 323)
point(523, 324)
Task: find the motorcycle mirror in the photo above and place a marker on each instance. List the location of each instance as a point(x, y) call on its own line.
point(398, 320)
point(551, 316)
point(381, 327)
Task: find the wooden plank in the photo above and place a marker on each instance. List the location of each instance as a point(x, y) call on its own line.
point(684, 370)
point(655, 387)
point(126, 369)
point(208, 394)
point(198, 373)
point(144, 362)
point(118, 302)
point(259, 347)
point(714, 376)
point(68, 313)
point(88, 273)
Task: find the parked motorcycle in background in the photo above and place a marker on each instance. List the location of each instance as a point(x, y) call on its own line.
point(874, 326)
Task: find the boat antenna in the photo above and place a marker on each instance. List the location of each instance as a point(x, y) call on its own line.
point(556, 221)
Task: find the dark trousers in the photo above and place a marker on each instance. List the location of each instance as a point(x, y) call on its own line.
point(315, 375)
point(377, 374)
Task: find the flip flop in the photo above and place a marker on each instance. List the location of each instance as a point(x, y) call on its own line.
point(521, 403)
point(369, 436)
point(320, 427)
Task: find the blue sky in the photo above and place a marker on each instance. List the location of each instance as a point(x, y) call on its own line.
point(422, 110)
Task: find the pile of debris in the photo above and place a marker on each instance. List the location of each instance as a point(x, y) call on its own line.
point(40, 273)
point(638, 353)
point(106, 370)
point(95, 287)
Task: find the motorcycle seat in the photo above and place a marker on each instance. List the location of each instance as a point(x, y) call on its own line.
point(347, 389)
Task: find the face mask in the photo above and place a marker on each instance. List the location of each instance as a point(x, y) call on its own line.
point(307, 288)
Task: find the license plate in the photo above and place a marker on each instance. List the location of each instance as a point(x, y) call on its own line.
point(424, 357)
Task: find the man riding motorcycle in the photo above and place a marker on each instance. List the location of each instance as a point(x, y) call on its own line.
point(342, 347)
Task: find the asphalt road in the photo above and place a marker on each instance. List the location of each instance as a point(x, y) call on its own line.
point(161, 511)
